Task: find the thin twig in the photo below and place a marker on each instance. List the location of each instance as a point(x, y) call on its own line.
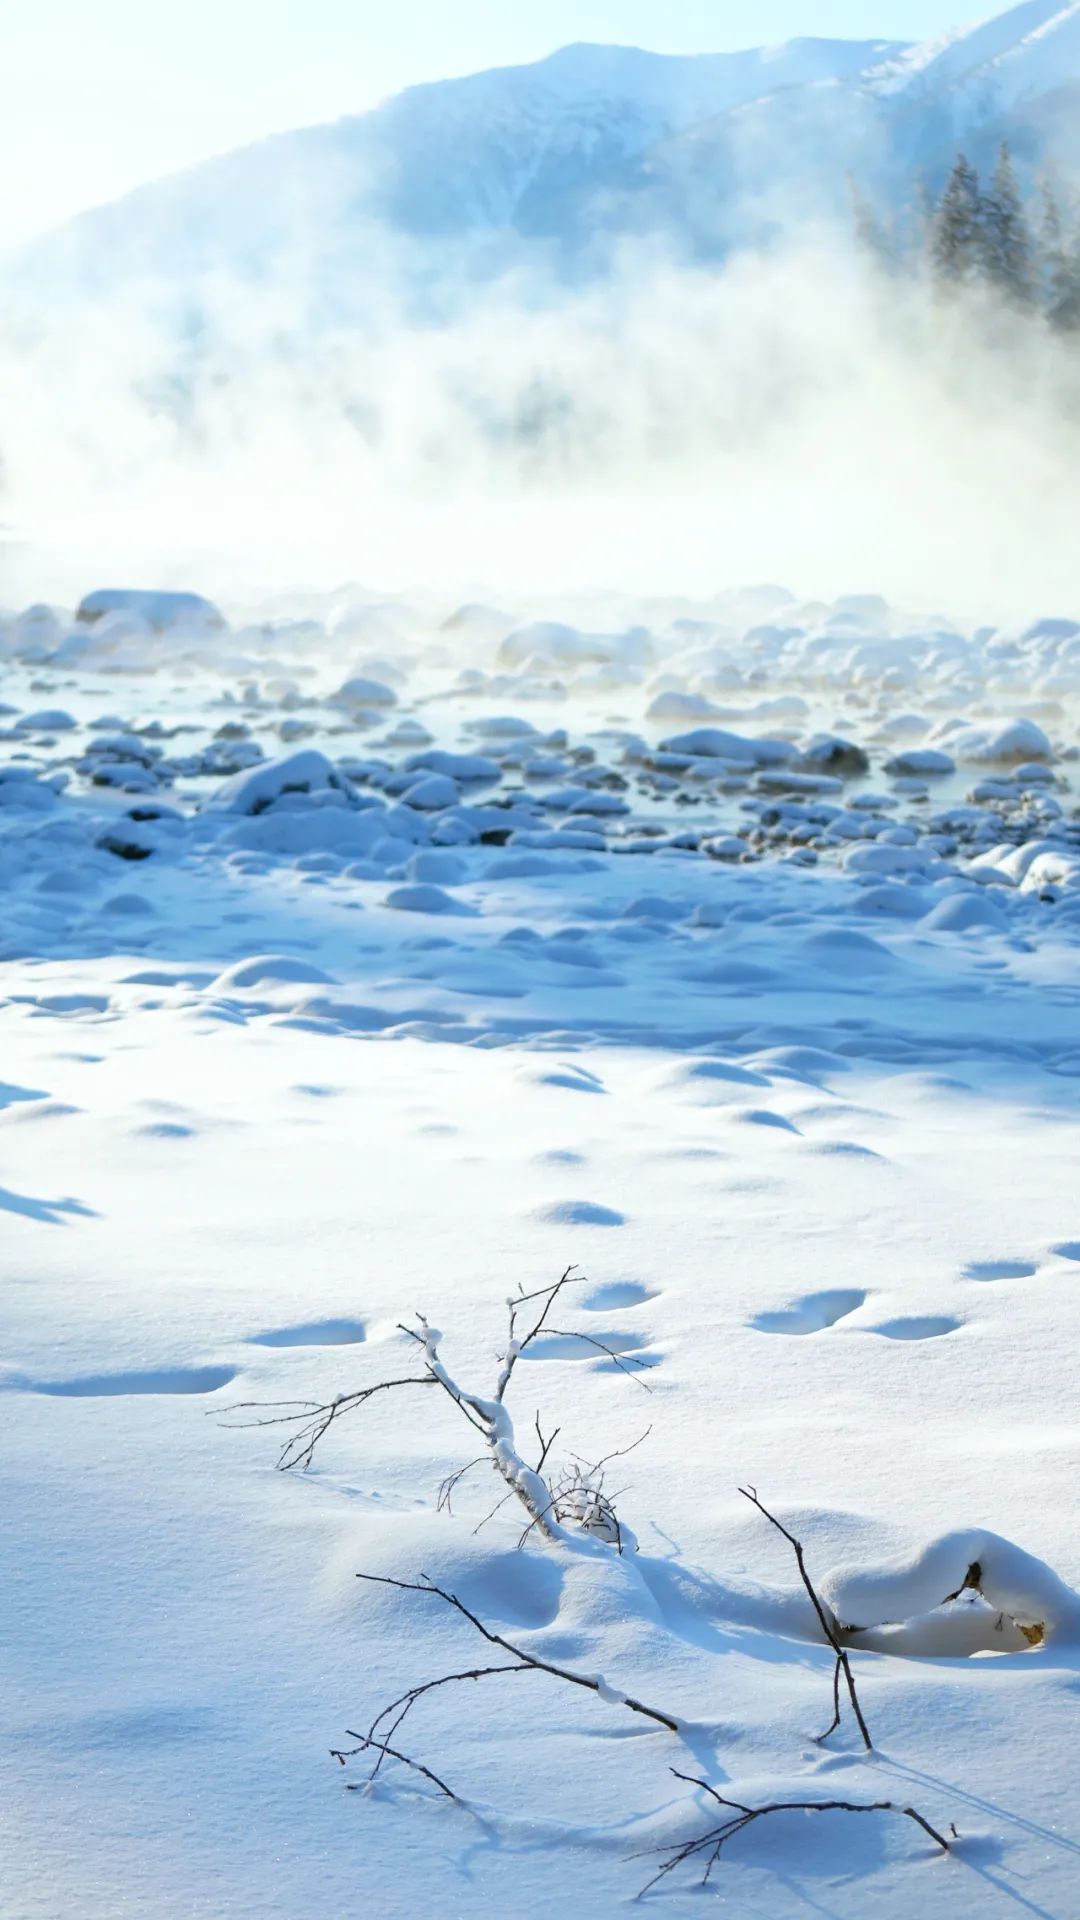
point(828, 1624)
point(545, 1445)
point(619, 1453)
point(416, 1765)
point(495, 1509)
point(741, 1816)
point(449, 1486)
point(315, 1419)
point(407, 1701)
point(515, 1348)
point(530, 1659)
point(625, 1361)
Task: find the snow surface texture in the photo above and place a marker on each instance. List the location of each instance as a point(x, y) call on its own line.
point(318, 1011)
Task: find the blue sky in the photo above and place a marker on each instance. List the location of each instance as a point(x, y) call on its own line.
point(100, 95)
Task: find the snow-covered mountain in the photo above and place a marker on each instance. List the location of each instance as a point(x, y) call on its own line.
point(512, 152)
point(1031, 48)
point(558, 161)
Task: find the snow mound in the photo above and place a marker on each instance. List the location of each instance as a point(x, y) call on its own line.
point(361, 692)
point(163, 612)
point(423, 898)
point(715, 743)
point(1007, 740)
point(909, 1592)
point(307, 771)
point(271, 969)
point(921, 760)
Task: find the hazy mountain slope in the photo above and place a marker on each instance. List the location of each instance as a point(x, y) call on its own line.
point(956, 58)
point(788, 156)
point(508, 152)
point(554, 164)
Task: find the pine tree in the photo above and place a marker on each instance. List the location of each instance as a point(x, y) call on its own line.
point(1060, 264)
point(1007, 252)
point(956, 241)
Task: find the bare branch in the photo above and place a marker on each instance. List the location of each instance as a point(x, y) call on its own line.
point(392, 1753)
point(449, 1486)
point(624, 1361)
point(406, 1701)
point(711, 1842)
point(619, 1453)
point(520, 1653)
point(497, 1508)
point(545, 1445)
point(829, 1625)
point(315, 1419)
point(488, 1417)
point(515, 1348)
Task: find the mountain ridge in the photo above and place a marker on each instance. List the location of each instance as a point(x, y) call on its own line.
point(559, 161)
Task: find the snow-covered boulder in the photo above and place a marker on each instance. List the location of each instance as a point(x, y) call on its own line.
point(359, 692)
point(46, 720)
point(921, 761)
point(321, 830)
point(672, 705)
point(431, 793)
point(961, 912)
point(307, 771)
point(164, 612)
point(996, 741)
point(502, 726)
point(438, 866)
point(423, 898)
point(270, 969)
point(564, 646)
point(716, 743)
point(37, 630)
point(829, 753)
point(1052, 629)
point(1035, 865)
point(465, 767)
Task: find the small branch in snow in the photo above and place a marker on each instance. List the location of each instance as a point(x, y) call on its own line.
point(617, 1453)
point(377, 1735)
point(624, 1361)
point(560, 1511)
point(829, 1626)
point(711, 1843)
point(448, 1487)
point(515, 1347)
point(393, 1754)
point(590, 1682)
point(545, 1445)
point(314, 1419)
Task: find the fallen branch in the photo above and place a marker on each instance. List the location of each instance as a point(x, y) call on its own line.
point(405, 1761)
point(624, 1361)
point(712, 1842)
point(315, 1419)
point(829, 1627)
point(521, 1655)
point(545, 1505)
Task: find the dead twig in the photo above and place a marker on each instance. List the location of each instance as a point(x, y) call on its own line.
point(406, 1701)
point(546, 1505)
point(716, 1838)
point(545, 1445)
point(624, 1361)
point(449, 1486)
point(829, 1626)
point(315, 1419)
point(392, 1753)
point(586, 1681)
